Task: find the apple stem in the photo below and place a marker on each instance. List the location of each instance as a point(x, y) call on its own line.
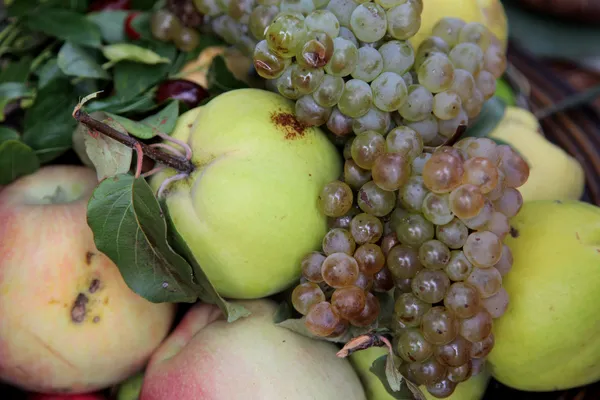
point(182, 165)
point(450, 142)
point(169, 148)
point(140, 160)
point(186, 147)
point(153, 171)
point(168, 181)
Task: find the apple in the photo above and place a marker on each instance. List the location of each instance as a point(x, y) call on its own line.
point(85, 396)
point(249, 213)
point(131, 388)
point(207, 358)
point(68, 321)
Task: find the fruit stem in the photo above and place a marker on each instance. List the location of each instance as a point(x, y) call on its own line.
point(182, 165)
point(451, 140)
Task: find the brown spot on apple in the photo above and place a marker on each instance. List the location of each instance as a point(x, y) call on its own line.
point(96, 319)
point(514, 232)
point(88, 257)
point(288, 123)
point(94, 286)
point(79, 309)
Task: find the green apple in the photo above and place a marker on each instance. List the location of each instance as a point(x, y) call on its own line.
point(131, 388)
point(549, 337)
point(249, 211)
point(473, 389)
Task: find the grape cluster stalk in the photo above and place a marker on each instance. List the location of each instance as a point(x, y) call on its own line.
point(411, 216)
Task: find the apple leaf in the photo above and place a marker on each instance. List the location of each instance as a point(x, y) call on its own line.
point(129, 227)
point(109, 157)
point(130, 52)
point(380, 368)
point(164, 121)
point(64, 24)
point(16, 160)
point(77, 61)
point(10, 91)
point(7, 133)
point(111, 24)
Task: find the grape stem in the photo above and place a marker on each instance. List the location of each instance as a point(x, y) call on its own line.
point(363, 342)
point(451, 140)
point(181, 164)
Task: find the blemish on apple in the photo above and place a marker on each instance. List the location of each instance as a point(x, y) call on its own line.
point(79, 309)
point(288, 123)
point(514, 232)
point(88, 257)
point(94, 286)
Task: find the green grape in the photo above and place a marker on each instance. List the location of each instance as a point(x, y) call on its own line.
point(395, 219)
point(466, 201)
point(441, 389)
point(285, 35)
point(368, 22)
point(342, 9)
point(164, 25)
point(497, 304)
point(339, 270)
point(389, 91)
point(369, 314)
point(436, 208)
point(398, 56)
point(316, 51)
point(374, 200)
point(303, 7)
point(405, 141)
point(356, 99)
point(354, 175)
point(285, 86)
point(418, 5)
point(482, 218)
point(474, 104)
point(467, 56)
point(348, 301)
point(414, 230)
point(210, 8)
point(306, 295)
point(483, 348)
point(311, 266)
point(341, 125)
point(348, 35)
point(329, 91)
point(477, 33)
point(344, 58)
point(481, 172)
point(453, 234)
point(427, 127)
point(514, 167)
point(446, 105)
point(429, 46)
point(408, 78)
point(366, 147)
point(455, 353)
point(434, 254)
point(335, 199)
point(436, 73)
point(187, 39)
point(322, 320)
point(338, 240)
point(306, 80)
point(390, 171)
point(260, 18)
point(449, 30)
point(439, 326)
point(412, 194)
point(443, 172)
point(240, 10)
point(324, 21)
point(462, 300)
point(309, 113)
point(458, 268)
point(403, 21)
point(483, 249)
point(477, 327)
point(403, 262)
point(448, 127)
point(268, 64)
point(409, 310)
point(494, 61)
point(370, 258)
point(413, 347)
point(428, 372)
point(464, 84)
point(418, 104)
point(486, 83)
point(369, 64)
point(460, 373)
point(343, 221)
point(374, 120)
point(419, 162)
point(430, 286)
point(366, 228)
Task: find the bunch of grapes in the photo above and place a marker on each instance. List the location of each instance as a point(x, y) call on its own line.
point(168, 27)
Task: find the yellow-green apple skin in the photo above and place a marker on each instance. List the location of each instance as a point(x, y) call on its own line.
point(68, 321)
point(549, 337)
point(207, 358)
point(249, 211)
point(473, 389)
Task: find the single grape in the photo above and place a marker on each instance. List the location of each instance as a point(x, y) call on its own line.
point(316, 50)
point(466, 201)
point(324, 21)
point(418, 104)
point(342, 9)
point(409, 310)
point(494, 61)
point(429, 46)
point(496, 193)
point(447, 128)
point(388, 242)
point(348, 301)
point(403, 262)
point(390, 171)
point(164, 25)
point(498, 225)
point(446, 104)
point(285, 35)
point(339, 270)
point(305, 295)
point(364, 281)
point(448, 29)
point(414, 230)
point(328, 93)
point(515, 168)
point(467, 56)
point(441, 389)
point(322, 319)
point(510, 202)
point(303, 7)
point(453, 151)
point(486, 83)
point(436, 208)
point(260, 19)
point(419, 163)
point(354, 175)
point(428, 372)
point(482, 218)
point(348, 35)
point(403, 21)
point(374, 120)
point(374, 200)
point(412, 194)
point(477, 366)
point(453, 234)
point(398, 56)
point(483, 348)
point(366, 148)
point(227, 28)
point(338, 240)
point(268, 64)
point(368, 22)
point(427, 128)
point(340, 125)
point(474, 104)
point(436, 73)
point(411, 346)
point(464, 84)
point(343, 221)
point(341, 328)
point(285, 85)
point(487, 281)
point(439, 326)
point(434, 254)
point(483, 249)
point(477, 33)
point(504, 265)
point(458, 268)
point(454, 353)
point(462, 300)
point(402, 286)
point(356, 99)
point(443, 173)
point(477, 327)
point(383, 281)
point(430, 286)
point(335, 199)
point(370, 258)
point(306, 80)
point(344, 58)
point(389, 91)
point(311, 266)
point(207, 7)
point(405, 141)
point(460, 373)
point(369, 64)
point(482, 173)
point(497, 304)
point(368, 314)
point(309, 113)
point(366, 228)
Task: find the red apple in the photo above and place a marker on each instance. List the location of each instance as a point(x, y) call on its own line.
point(207, 358)
point(68, 321)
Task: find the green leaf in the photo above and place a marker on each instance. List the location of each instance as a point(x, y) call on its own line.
point(115, 104)
point(110, 158)
point(220, 78)
point(131, 52)
point(111, 24)
point(11, 91)
point(17, 71)
point(74, 60)
point(16, 160)
point(490, 116)
point(379, 368)
point(7, 133)
point(165, 120)
point(66, 25)
point(129, 227)
point(48, 72)
point(135, 128)
point(141, 24)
